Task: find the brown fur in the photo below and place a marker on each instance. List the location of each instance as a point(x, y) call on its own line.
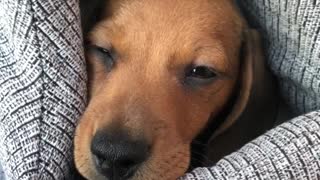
point(155, 40)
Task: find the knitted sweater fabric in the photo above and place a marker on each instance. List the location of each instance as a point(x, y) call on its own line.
point(43, 91)
point(42, 87)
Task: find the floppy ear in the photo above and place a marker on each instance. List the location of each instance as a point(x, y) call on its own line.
point(255, 107)
point(93, 11)
point(252, 71)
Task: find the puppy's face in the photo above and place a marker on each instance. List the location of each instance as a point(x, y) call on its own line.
point(158, 70)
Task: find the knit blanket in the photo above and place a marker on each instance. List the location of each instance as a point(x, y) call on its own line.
point(43, 91)
point(42, 87)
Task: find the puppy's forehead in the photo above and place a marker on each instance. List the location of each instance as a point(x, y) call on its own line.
point(185, 15)
point(171, 25)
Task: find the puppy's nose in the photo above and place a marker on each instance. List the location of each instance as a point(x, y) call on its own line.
point(117, 156)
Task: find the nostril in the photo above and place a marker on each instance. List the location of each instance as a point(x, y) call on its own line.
point(101, 162)
point(127, 168)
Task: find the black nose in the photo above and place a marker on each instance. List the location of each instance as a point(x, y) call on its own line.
point(116, 155)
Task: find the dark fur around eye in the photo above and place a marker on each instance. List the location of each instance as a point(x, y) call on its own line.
point(199, 75)
point(107, 56)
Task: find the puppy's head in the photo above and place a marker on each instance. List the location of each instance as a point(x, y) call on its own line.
point(158, 71)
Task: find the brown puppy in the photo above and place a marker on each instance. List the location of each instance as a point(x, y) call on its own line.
point(159, 70)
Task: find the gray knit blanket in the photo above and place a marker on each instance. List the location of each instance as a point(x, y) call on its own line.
point(43, 91)
point(42, 87)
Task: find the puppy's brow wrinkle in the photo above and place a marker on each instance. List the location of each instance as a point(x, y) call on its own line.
point(104, 27)
point(200, 48)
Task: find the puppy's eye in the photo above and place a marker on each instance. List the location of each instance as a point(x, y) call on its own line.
point(202, 72)
point(200, 75)
point(105, 55)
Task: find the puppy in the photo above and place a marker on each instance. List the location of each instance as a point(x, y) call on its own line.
point(161, 73)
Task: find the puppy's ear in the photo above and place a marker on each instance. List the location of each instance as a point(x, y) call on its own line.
point(252, 70)
point(255, 107)
point(93, 11)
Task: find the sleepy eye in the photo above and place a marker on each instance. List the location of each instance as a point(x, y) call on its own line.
point(105, 55)
point(200, 75)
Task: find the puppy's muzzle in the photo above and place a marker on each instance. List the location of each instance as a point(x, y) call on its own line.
point(117, 155)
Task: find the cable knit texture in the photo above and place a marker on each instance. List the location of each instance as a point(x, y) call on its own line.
point(290, 151)
point(291, 30)
point(42, 87)
point(43, 91)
